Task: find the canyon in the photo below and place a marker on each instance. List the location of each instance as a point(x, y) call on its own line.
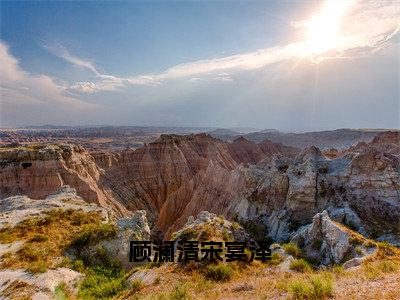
point(270, 188)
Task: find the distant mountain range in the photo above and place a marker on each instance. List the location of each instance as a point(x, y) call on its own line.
point(339, 138)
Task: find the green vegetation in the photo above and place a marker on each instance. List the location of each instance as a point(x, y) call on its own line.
point(300, 265)
point(136, 285)
point(47, 237)
point(375, 270)
point(292, 249)
point(61, 292)
point(186, 235)
point(358, 250)
point(94, 233)
point(180, 292)
point(104, 281)
point(276, 258)
point(202, 285)
point(219, 272)
point(316, 287)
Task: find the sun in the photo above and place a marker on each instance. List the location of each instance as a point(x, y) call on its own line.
point(322, 30)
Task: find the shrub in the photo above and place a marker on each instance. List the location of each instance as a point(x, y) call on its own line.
point(61, 292)
point(276, 258)
point(136, 285)
point(292, 249)
point(39, 238)
point(322, 286)
point(220, 272)
point(94, 233)
point(226, 235)
point(386, 249)
point(180, 292)
point(371, 271)
point(388, 266)
point(103, 281)
point(203, 285)
point(374, 270)
point(358, 250)
point(79, 266)
point(300, 289)
point(338, 271)
point(317, 287)
point(300, 265)
point(186, 235)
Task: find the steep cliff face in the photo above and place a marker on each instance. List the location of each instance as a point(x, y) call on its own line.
point(172, 177)
point(360, 189)
point(179, 176)
point(39, 171)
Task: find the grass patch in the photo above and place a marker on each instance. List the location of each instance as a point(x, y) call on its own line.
point(292, 249)
point(94, 233)
point(61, 292)
point(338, 271)
point(180, 292)
point(202, 285)
point(376, 269)
point(276, 258)
point(103, 281)
point(316, 287)
point(136, 285)
point(300, 265)
point(46, 238)
point(300, 289)
point(220, 272)
point(358, 250)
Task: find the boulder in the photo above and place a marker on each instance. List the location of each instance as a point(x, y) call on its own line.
point(324, 240)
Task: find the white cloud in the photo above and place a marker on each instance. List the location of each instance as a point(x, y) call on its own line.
point(366, 27)
point(60, 51)
point(19, 88)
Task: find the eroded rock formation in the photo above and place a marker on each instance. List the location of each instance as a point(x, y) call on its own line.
point(179, 176)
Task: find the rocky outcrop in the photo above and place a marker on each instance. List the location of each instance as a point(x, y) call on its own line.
point(19, 284)
point(115, 247)
point(18, 208)
point(360, 190)
point(388, 142)
point(179, 176)
point(325, 241)
point(38, 171)
point(209, 227)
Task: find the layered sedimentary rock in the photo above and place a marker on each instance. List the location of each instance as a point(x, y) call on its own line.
point(39, 171)
point(360, 189)
point(175, 177)
point(172, 178)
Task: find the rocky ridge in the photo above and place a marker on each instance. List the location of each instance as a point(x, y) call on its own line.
point(178, 176)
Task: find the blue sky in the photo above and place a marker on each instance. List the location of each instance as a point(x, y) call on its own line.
point(267, 64)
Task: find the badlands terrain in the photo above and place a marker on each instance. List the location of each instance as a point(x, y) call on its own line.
point(71, 199)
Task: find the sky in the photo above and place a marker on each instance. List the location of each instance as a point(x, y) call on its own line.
point(288, 65)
